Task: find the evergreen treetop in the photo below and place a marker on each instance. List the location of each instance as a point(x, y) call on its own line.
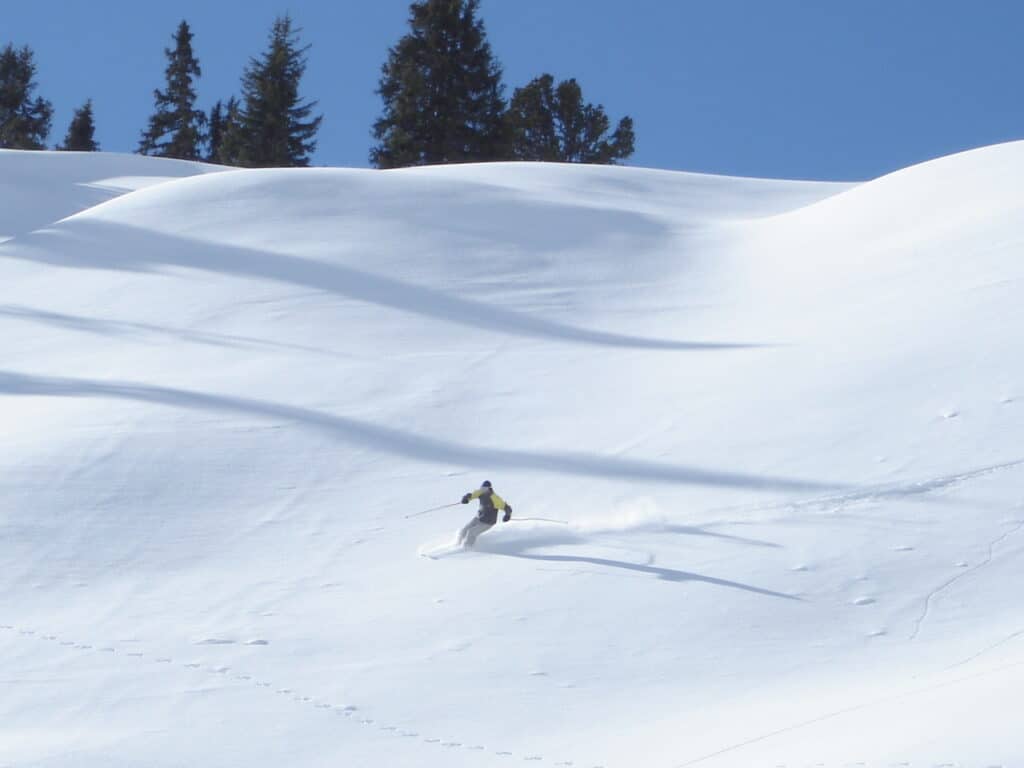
point(276, 128)
point(214, 130)
point(176, 128)
point(24, 121)
point(441, 89)
point(81, 132)
point(554, 124)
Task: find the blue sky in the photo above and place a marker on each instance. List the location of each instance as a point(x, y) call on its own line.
point(826, 89)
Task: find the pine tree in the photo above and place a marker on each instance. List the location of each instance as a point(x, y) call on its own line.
point(215, 131)
point(442, 91)
point(81, 131)
point(555, 125)
point(24, 122)
point(276, 129)
point(225, 141)
point(176, 128)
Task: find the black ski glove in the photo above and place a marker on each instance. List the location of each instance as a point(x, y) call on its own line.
point(508, 513)
point(465, 499)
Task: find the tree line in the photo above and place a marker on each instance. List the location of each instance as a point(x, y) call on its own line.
point(441, 87)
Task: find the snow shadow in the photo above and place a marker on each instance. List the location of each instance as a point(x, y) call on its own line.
point(665, 574)
point(393, 441)
point(122, 329)
point(694, 530)
point(85, 244)
point(523, 548)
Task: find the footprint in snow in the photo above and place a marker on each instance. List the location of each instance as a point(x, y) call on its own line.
point(451, 744)
point(902, 548)
point(864, 601)
point(191, 665)
point(877, 633)
point(216, 641)
point(163, 660)
point(801, 568)
point(257, 642)
point(960, 564)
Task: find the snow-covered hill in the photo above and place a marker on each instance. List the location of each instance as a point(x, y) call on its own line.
point(780, 420)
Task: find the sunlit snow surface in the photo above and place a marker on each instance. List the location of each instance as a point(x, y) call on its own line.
point(782, 421)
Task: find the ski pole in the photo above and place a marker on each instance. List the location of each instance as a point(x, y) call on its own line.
point(537, 520)
point(435, 509)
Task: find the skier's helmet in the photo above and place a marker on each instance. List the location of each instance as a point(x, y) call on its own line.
point(485, 484)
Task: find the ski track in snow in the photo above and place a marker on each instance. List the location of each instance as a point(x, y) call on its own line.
point(930, 597)
point(848, 710)
point(882, 492)
point(347, 711)
point(998, 644)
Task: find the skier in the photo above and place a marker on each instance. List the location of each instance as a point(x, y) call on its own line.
point(490, 504)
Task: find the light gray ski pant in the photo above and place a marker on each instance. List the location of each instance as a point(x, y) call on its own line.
point(472, 529)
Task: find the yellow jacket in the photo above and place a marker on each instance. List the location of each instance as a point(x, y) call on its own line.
point(490, 504)
point(485, 495)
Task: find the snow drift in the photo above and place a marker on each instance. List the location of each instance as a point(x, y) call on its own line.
point(779, 420)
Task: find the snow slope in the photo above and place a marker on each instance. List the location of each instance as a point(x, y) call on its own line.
point(780, 419)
